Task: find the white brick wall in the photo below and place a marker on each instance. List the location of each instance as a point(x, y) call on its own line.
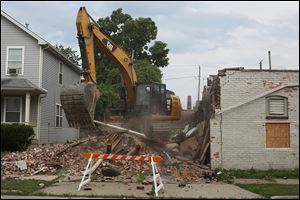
point(238, 135)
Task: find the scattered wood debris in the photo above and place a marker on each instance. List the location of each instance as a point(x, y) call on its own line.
point(49, 159)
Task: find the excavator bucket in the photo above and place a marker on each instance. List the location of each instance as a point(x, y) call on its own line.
point(79, 102)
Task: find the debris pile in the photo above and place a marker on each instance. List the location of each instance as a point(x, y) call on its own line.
point(51, 159)
point(45, 159)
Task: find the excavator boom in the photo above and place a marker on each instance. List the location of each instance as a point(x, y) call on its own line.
point(79, 100)
point(144, 99)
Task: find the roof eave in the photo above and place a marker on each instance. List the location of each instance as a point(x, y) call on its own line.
point(39, 90)
point(56, 52)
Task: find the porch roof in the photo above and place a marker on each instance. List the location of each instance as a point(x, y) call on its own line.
point(20, 84)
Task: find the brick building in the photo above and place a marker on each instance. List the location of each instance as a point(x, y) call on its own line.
point(253, 119)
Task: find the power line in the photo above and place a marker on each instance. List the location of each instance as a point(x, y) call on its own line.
point(181, 66)
point(182, 77)
point(196, 66)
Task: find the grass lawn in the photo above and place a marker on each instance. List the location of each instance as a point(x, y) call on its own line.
point(259, 174)
point(268, 190)
point(27, 187)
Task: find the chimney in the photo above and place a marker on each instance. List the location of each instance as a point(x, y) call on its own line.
point(260, 65)
point(189, 102)
point(27, 25)
point(269, 52)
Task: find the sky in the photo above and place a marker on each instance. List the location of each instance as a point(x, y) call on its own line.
point(213, 35)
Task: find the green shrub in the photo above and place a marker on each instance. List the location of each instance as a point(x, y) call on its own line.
point(15, 137)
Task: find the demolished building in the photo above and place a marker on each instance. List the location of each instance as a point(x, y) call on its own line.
point(252, 117)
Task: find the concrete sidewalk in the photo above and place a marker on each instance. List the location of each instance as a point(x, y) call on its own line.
point(105, 189)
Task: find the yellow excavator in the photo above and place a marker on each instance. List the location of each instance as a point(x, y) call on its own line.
point(148, 99)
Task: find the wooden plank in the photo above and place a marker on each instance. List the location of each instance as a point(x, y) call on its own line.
point(205, 141)
point(96, 165)
point(71, 146)
point(204, 151)
point(277, 135)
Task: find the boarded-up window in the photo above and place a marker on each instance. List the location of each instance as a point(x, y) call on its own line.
point(277, 135)
point(277, 107)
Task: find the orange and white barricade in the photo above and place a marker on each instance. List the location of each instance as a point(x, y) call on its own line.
point(158, 185)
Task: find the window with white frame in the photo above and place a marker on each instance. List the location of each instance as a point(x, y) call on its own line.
point(12, 109)
point(60, 74)
point(58, 116)
point(277, 107)
point(15, 60)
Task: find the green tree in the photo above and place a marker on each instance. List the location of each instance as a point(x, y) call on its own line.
point(134, 35)
point(69, 53)
point(137, 38)
point(109, 99)
point(159, 52)
point(145, 71)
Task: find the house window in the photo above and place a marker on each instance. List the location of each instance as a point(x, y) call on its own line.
point(277, 135)
point(277, 107)
point(60, 74)
point(12, 109)
point(15, 60)
point(58, 116)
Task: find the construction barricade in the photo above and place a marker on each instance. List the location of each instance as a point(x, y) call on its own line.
point(158, 185)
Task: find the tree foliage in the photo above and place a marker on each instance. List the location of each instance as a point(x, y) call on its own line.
point(109, 99)
point(133, 35)
point(69, 53)
point(159, 52)
point(146, 72)
point(136, 37)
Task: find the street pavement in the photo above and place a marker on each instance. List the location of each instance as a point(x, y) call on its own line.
point(96, 190)
point(213, 190)
point(45, 197)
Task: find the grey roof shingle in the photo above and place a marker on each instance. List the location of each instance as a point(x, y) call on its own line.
point(20, 84)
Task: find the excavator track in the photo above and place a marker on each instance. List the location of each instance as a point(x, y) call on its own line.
point(79, 102)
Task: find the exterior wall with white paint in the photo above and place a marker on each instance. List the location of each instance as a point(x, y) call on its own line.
point(238, 135)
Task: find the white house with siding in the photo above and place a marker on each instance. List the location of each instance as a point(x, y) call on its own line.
point(33, 73)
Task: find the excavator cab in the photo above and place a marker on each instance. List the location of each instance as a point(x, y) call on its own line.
point(150, 98)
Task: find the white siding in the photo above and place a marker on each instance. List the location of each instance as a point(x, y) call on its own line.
point(11, 35)
point(41, 68)
point(50, 134)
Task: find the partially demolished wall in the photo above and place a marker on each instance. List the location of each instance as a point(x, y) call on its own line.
point(235, 102)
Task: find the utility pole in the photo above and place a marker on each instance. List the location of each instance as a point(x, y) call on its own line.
point(199, 83)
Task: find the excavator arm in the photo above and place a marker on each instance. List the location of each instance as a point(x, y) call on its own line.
point(90, 33)
point(79, 100)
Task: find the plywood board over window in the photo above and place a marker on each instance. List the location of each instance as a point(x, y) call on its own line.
point(277, 135)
